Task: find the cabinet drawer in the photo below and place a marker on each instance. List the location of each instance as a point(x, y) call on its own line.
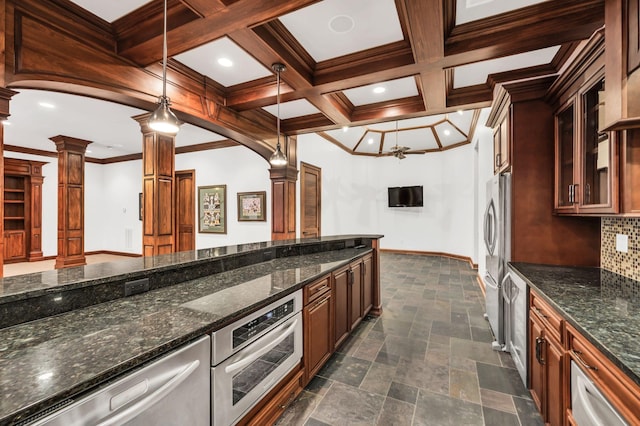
point(621, 391)
point(316, 289)
point(551, 320)
point(280, 401)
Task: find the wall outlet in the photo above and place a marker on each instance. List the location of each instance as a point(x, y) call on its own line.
point(622, 243)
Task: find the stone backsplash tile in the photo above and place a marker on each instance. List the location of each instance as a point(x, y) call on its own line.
point(625, 264)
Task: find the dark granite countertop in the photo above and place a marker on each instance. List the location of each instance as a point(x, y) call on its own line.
point(46, 361)
point(603, 306)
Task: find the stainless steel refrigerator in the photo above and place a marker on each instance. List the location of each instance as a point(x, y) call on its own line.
point(497, 239)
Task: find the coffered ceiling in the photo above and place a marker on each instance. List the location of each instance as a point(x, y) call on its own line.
point(360, 65)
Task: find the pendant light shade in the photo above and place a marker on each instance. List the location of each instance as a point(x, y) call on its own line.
point(163, 119)
point(278, 158)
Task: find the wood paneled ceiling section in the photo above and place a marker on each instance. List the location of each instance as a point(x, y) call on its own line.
point(431, 48)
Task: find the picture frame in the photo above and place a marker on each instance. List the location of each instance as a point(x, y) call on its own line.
point(252, 206)
point(212, 209)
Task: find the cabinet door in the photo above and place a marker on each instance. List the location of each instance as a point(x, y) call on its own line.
point(554, 384)
point(566, 194)
point(597, 152)
point(367, 284)
point(341, 305)
point(14, 245)
point(536, 368)
point(630, 173)
point(355, 293)
point(318, 342)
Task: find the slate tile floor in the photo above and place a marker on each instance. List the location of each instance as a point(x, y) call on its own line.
point(426, 361)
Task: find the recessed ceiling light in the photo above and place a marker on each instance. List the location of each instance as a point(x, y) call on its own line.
point(225, 62)
point(460, 112)
point(341, 24)
point(379, 89)
point(447, 132)
point(345, 128)
point(88, 151)
point(46, 105)
point(370, 141)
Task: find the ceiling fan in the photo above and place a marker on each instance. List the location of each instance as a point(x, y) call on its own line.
point(397, 150)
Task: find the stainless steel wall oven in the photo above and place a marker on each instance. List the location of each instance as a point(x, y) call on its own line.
point(250, 356)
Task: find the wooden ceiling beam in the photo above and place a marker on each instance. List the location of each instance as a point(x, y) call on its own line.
point(549, 23)
point(145, 47)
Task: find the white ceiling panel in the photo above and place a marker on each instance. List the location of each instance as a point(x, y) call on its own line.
point(204, 59)
point(348, 138)
point(107, 125)
point(477, 73)
point(462, 120)
point(292, 109)
point(334, 28)
point(472, 10)
point(371, 143)
point(110, 10)
point(393, 89)
point(449, 135)
point(416, 139)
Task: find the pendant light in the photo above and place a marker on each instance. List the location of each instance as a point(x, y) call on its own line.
point(278, 158)
point(163, 119)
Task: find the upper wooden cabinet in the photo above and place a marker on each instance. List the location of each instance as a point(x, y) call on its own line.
point(586, 157)
point(622, 105)
point(499, 120)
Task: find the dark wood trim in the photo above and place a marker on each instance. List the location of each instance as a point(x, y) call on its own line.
point(433, 253)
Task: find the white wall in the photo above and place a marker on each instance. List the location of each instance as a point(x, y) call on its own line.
point(354, 196)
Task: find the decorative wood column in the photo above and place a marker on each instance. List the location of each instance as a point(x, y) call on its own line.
point(283, 194)
point(70, 201)
point(158, 169)
point(5, 97)
point(35, 232)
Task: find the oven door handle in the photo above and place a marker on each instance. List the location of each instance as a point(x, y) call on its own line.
point(142, 405)
point(248, 355)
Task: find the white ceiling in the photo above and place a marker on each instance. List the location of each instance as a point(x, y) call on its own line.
point(375, 23)
point(472, 10)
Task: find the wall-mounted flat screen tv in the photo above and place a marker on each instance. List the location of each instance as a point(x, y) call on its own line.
point(405, 196)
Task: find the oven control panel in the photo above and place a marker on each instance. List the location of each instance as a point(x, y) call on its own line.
point(245, 332)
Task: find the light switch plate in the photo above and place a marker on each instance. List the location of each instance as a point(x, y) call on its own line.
point(622, 243)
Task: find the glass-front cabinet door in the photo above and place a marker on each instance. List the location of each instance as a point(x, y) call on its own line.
point(565, 153)
point(597, 156)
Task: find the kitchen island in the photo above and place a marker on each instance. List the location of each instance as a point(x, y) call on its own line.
point(53, 358)
point(598, 320)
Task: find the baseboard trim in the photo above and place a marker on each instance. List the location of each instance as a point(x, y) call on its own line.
point(433, 253)
point(87, 253)
point(115, 253)
point(481, 285)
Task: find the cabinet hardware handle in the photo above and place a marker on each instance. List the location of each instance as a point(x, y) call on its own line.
point(575, 193)
point(570, 194)
point(288, 401)
point(539, 312)
point(498, 159)
point(582, 362)
point(539, 342)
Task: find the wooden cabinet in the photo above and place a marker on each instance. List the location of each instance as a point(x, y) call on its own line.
point(355, 295)
point(318, 325)
point(546, 360)
point(271, 407)
point(630, 172)
point(620, 391)
point(22, 214)
point(586, 158)
point(530, 130)
point(341, 280)
point(499, 119)
point(367, 284)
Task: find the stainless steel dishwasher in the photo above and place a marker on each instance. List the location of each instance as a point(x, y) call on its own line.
point(172, 391)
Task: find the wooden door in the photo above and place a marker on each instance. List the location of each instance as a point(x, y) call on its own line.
point(367, 284)
point(554, 356)
point(536, 370)
point(318, 342)
point(185, 210)
point(310, 200)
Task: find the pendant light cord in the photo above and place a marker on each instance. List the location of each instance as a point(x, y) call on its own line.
point(164, 53)
point(278, 102)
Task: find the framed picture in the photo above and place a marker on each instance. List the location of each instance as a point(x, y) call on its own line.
point(251, 206)
point(212, 209)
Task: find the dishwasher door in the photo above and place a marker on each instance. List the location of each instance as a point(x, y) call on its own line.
point(172, 391)
point(588, 406)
